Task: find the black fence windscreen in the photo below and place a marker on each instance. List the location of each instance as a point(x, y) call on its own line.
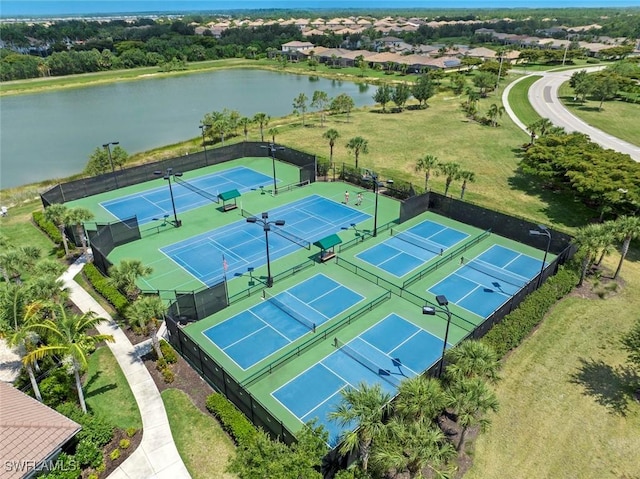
point(85, 187)
point(107, 236)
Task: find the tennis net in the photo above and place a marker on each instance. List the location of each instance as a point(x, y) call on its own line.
point(289, 311)
point(418, 241)
point(195, 189)
point(280, 232)
point(498, 273)
point(366, 362)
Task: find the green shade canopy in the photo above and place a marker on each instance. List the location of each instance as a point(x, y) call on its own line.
point(229, 195)
point(328, 242)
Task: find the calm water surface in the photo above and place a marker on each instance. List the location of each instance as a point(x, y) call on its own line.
point(52, 135)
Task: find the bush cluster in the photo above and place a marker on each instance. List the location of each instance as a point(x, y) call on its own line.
point(517, 325)
point(232, 420)
point(94, 428)
point(168, 352)
point(105, 288)
point(47, 227)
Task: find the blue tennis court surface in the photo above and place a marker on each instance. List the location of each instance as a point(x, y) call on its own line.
point(252, 335)
point(407, 250)
point(486, 282)
point(243, 244)
point(394, 349)
point(156, 203)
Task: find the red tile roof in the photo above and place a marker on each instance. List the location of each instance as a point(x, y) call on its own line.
point(29, 431)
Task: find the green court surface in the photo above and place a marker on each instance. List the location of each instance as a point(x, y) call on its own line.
point(372, 290)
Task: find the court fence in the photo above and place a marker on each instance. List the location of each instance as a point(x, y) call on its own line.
point(104, 237)
point(84, 187)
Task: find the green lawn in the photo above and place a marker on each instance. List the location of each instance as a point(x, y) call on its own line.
point(18, 227)
point(565, 402)
point(107, 391)
point(520, 103)
point(618, 118)
point(204, 447)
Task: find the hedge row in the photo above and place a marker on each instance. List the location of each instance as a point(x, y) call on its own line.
point(47, 227)
point(233, 421)
point(105, 288)
point(517, 325)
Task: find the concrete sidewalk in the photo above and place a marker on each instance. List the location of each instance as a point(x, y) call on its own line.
point(156, 456)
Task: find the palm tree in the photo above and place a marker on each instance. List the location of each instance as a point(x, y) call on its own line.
point(358, 145)
point(471, 399)
point(57, 214)
point(25, 341)
point(451, 171)
point(78, 216)
point(332, 135)
point(539, 128)
point(607, 240)
point(272, 133)
point(125, 274)
point(261, 119)
point(466, 177)
point(627, 229)
point(14, 261)
point(66, 335)
point(364, 408)
point(412, 446)
point(588, 239)
point(420, 399)
point(472, 359)
point(245, 122)
point(427, 163)
point(494, 113)
point(146, 313)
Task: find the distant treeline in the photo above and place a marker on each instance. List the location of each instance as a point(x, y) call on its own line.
point(82, 46)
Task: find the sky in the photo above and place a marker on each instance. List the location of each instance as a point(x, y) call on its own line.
point(9, 8)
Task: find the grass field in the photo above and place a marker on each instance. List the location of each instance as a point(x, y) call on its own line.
point(204, 447)
point(520, 103)
point(615, 118)
point(107, 391)
point(565, 399)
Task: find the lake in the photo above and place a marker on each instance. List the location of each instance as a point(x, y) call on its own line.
point(51, 135)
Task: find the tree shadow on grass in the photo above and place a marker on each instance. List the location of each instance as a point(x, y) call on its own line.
point(611, 387)
point(96, 392)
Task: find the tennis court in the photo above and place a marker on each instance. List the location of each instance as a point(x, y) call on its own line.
point(254, 334)
point(482, 284)
point(155, 204)
point(386, 353)
point(410, 249)
point(241, 246)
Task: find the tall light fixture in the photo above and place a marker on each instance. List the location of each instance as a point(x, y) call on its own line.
point(204, 145)
point(266, 226)
point(167, 175)
point(107, 146)
point(272, 150)
point(442, 301)
point(542, 231)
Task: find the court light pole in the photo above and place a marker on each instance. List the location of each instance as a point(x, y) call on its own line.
point(266, 226)
point(204, 145)
point(167, 175)
point(431, 311)
point(542, 231)
point(272, 150)
point(107, 146)
point(376, 187)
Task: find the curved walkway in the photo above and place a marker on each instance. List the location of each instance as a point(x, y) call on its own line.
point(156, 457)
point(543, 96)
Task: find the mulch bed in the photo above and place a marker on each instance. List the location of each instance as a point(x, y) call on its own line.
point(112, 465)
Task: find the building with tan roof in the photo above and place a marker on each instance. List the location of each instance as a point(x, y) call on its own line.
point(31, 434)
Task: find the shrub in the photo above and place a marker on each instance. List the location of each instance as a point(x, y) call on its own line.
point(57, 388)
point(131, 431)
point(233, 421)
point(105, 288)
point(93, 475)
point(94, 428)
point(124, 443)
point(47, 227)
point(161, 364)
point(115, 454)
point(88, 454)
point(170, 355)
point(66, 468)
point(515, 326)
point(168, 375)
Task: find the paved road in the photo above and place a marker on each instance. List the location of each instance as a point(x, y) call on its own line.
point(543, 96)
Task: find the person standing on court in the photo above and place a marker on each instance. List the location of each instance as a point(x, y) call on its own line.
point(359, 199)
point(346, 197)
